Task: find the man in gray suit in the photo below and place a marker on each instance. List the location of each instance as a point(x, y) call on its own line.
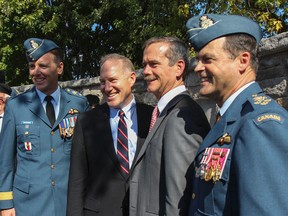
point(160, 183)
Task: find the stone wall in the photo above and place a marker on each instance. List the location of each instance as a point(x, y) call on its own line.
point(272, 76)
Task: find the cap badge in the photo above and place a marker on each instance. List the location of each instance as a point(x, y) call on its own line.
point(33, 44)
point(205, 21)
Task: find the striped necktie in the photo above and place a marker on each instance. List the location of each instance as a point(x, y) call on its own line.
point(154, 117)
point(122, 143)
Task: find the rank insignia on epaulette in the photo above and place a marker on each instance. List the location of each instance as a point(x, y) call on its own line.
point(28, 146)
point(212, 164)
point(226, 138)
point(73, 111)
point(66, 127)
point(262, 100)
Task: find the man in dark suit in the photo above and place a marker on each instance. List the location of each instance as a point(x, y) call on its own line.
point(100, 168)
point(241, 166)
point(34, 139)
point(160, 183)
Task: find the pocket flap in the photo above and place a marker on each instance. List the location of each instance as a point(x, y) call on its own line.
point(21, 184)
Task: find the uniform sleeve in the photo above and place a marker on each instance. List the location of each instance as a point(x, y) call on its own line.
point(78, 173)
point(182, 137)
point(261, 170)
point(7, 158)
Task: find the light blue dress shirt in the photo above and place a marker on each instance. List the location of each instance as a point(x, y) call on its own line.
point(230, 100)
point(55, 101)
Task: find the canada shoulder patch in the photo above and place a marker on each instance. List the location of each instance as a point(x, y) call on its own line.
point(268, 117)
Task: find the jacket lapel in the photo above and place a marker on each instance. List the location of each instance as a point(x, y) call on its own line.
point(157, 124)
point(232, 115)
point(35, 106)
point(64, 107)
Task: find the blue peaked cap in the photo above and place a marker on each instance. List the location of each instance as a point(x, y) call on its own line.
point(202, 29)
point(36, 47)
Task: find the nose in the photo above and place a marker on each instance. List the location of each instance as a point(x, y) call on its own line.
point(199, 66)
point(146, 70)
point(107, 86)
point(34, 71)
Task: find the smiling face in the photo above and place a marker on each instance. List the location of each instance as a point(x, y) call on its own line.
point(161, 77)
point(116, 83)
point(3, 98)
point(219, 73)
point(44, 73)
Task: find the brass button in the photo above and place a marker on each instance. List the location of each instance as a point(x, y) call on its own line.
point(26, 132)
point(53, 183)
point(52, 150)
point(52, 166)
point(193, 196)
point(52, 133)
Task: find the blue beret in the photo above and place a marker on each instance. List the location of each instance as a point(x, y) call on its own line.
point(204, 28)
point(5, 89)
point(36, 47)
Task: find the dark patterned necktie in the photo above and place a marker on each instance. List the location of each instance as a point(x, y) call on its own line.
point(122, 143)
point(154, 117)
point(218, 117)
point(50, 110)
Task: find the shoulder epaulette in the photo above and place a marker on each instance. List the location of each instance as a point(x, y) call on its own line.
point(73, 92)
point(262, 100)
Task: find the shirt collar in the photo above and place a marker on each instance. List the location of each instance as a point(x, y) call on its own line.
point(165, 99)
point(55, 95)
point(126, 109)
point(230, 100)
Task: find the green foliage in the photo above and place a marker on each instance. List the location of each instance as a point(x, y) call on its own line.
point(89, 29)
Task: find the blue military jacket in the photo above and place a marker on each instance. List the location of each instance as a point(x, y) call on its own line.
point(34, 157)
point(241, 166)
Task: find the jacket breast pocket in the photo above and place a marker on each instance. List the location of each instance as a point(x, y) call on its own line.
point(67, 146)
point(28, 139)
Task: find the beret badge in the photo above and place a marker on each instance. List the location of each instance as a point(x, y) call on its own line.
point(34, 44)
point(205, 21)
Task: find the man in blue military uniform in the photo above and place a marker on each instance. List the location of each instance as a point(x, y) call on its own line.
point(241, 166)
point(35, 147)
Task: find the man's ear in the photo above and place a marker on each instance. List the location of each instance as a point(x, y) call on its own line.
point(132, 78)
point(180, 66)
point(244, 61)
point(60, 68)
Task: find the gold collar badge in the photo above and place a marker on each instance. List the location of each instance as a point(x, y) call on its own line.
point(226, 138)
point(73, 111)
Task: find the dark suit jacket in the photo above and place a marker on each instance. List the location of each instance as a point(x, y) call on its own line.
point(97, 185)
point(161, 180)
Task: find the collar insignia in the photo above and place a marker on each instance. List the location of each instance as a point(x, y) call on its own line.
point(73, 111)
point(226, 138)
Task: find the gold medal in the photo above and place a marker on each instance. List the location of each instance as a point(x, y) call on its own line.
point(209, 174)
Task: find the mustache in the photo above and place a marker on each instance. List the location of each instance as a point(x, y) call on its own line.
point(149, 78)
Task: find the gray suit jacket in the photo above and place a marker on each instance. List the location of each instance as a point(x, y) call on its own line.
point(160, 183)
